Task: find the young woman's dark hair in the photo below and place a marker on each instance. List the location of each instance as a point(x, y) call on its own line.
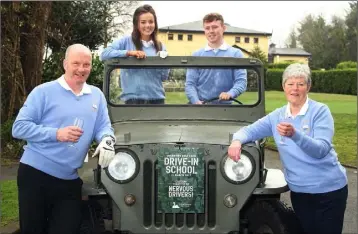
point(136, 34)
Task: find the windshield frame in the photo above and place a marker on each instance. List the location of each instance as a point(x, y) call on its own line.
point(144, 111)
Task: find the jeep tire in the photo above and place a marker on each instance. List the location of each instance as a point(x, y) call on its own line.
point(92, 218)
point(271, 216)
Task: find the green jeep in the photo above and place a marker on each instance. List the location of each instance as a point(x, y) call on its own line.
point(171, 172)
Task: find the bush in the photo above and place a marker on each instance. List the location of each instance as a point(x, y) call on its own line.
point(335, 81)
point(177, 74)
point(332, 81)
point(252, 79)
point(52, 69)
point(346, 65)
point(273, 79)
point(279, 65)
point(97, 73)
point(11, 147)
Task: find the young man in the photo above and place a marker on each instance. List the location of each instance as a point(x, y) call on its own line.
point(205, 84)
point(48, 183)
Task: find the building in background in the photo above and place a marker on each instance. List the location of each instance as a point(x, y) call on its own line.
point(184, 39)
point(287, 55)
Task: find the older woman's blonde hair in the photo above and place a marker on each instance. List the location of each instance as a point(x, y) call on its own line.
point(297, 70)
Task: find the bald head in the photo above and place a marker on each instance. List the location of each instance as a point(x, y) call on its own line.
point(75, 48)
point(77, 64)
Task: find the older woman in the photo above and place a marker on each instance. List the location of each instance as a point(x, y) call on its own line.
point(303, 131)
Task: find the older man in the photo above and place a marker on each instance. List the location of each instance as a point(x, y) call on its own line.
point(205, 84)
point(48, 183)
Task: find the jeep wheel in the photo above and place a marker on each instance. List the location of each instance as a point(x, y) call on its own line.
point(271, 216)
point(92, 219)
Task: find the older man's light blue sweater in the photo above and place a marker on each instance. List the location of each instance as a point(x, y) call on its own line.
point(50, 107)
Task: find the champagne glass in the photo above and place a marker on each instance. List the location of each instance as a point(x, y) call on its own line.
point(283, 119)
point(78, 122)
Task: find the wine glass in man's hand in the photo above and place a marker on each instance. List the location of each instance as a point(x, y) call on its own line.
point(78, 122)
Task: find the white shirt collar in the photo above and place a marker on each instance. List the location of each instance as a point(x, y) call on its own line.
point(147, 43)
point(303, 110)
point(85, 89)
point(224, 46)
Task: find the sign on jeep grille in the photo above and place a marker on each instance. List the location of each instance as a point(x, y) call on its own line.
point(181, 178)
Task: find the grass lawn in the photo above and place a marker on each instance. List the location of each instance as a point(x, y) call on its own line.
point(343, 108)
point(9, 204)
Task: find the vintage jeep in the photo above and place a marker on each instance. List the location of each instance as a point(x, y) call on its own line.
point(171, 173)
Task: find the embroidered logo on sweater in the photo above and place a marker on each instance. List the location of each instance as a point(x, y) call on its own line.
point(305, 126)
point(94, 107)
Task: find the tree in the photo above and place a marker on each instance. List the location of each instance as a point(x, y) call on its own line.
point(92, 23)
point(335, 49)
point(292, 39)
point(22, 41)
point(312, 35)
point(118, 18)
point(28, 29)
point(331, 43)
point(351, 35)
point(32, 41)
point(256, 52)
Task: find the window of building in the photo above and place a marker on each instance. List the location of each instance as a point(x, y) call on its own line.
point(247, 39)
point(270, 58)
point(190, 37)
point(180, 37)
point(170, 36)
point(237, 39)
point(256, 40)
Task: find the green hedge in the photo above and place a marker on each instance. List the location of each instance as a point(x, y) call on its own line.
point(347, 65)
point(332, 81)
point(279, 65)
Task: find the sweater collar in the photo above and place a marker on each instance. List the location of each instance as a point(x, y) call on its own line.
point(223, 46)
point(85, 89)
point(303, 109)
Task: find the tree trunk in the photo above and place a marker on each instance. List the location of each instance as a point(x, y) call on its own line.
point(32, 42)
point(13, 89)
point(23, 35)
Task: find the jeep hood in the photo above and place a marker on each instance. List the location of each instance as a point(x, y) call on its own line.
point(205, 132)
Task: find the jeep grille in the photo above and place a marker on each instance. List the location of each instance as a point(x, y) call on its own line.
point(150, 216)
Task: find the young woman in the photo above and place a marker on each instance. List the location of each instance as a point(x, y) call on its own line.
point(140, 86)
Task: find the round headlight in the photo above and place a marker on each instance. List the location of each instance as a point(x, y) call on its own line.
point(123, 167)
point(238, 171)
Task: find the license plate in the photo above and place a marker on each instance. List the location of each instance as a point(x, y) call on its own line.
point(180, 180)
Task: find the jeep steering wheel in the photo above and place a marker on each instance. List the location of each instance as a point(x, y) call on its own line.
point(217, 98)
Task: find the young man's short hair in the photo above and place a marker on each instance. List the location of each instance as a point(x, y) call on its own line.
point(213, 17)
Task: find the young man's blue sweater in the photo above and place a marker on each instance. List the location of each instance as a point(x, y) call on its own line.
point(50, 107)
point(205, 84)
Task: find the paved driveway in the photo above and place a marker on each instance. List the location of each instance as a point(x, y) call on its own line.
point(350, 217)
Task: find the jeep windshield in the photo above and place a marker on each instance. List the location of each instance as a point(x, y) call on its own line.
point(162, 85)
